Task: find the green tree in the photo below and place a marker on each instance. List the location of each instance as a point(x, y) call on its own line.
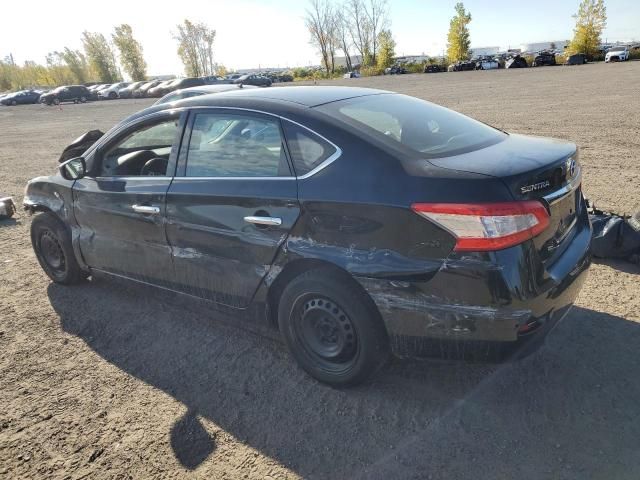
point(591, 20)
point(76, 62)
point(458, 40)
point(101, 57)
point(195, 48)
point(386, 49)
point(130, 50)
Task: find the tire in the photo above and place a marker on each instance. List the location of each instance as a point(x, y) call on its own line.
point(332, 328)
point(56, 101)
point(52, 245)
point(83, 99)
point(13, 103)
point(113, 95)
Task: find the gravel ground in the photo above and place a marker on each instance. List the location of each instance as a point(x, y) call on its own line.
point(112, 380)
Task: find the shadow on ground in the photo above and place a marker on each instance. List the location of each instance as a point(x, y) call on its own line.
point(569, 411)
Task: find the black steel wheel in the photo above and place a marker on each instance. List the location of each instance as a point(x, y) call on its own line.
point(326, 332)
point(332, 327)
point(52, 244)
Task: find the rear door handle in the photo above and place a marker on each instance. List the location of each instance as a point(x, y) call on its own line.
point(146, 209)
point(263, 220)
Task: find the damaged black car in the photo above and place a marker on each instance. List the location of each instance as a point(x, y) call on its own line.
point(358, 221)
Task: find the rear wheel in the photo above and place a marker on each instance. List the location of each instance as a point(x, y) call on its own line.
point(332, 328)
point(113, 95)
point(52, 244)
point(83, 99)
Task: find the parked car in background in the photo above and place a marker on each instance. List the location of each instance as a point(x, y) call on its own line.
point(351, 75)
point(233, 76)
point(184, 83)
point(111, 92)
point(544, 58)
point(144, 89)
point(462, 66)
point(254, 79)
point(576, 59)
point(69, 93)
point(127, 92)
point(487, 63)
point(159, 89)
point(433, 68)
point(257, 213)
point(395, 70)
point(202, 90)
point(617, 54)
point(516, 61)
point(22, 97)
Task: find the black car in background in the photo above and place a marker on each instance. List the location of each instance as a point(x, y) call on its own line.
point(144, 88)
point(395, 70)
point(22, 97)
point(160, 89)
point(576, 59)
point(357, 220)
point(69, 93)
point(544, 58)
point(253, 79)
point(462, 66)
point(433, 69)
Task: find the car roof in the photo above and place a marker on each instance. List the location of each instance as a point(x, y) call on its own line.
point(275, 99)
point(309, 96)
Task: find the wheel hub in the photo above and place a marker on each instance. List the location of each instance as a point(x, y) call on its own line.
point(326, 331)
point(52, 251)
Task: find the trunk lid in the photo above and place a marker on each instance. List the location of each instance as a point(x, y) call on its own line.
point(533, 168)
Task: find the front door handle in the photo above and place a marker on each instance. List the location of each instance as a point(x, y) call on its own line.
point(146, 209)
point(263, 220)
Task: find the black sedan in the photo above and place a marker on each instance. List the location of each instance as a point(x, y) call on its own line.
point(69, 93)
point(22, 97)
point(359, 221)
point(256, 80)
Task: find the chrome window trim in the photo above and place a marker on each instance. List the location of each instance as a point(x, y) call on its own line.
point(337, 154)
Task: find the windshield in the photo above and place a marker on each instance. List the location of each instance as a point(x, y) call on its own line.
point(617, 49)
point(413, 125)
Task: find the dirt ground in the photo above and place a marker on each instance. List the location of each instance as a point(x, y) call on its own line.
point(112, 380)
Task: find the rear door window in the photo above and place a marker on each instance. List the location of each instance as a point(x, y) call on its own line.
point(235, 145)
point(308, 150)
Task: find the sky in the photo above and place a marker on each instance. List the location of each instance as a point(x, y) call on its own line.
point(271, 33)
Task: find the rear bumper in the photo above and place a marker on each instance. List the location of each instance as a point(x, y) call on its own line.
point(507, 297)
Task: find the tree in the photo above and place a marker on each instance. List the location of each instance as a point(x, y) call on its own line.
point(387, 46)
point(591, 20)
point(101, 57)
point(342, 31)
point(458, 40)
point(321, 22)
point(130, 50)
point(376, 12)
point(195, 48)
point(76, 62)
point(366, 21)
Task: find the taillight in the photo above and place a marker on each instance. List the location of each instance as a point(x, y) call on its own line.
point(487, 226)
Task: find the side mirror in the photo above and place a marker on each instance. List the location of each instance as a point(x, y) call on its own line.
point(73, 169)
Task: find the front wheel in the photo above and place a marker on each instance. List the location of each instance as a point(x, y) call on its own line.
point(56, 101)
point(83, 99)
point(52, 244)
point(332, 328)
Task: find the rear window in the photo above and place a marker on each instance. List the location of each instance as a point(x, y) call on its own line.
point(413, 125)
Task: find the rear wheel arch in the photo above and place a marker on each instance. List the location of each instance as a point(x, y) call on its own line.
point(300, 266)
